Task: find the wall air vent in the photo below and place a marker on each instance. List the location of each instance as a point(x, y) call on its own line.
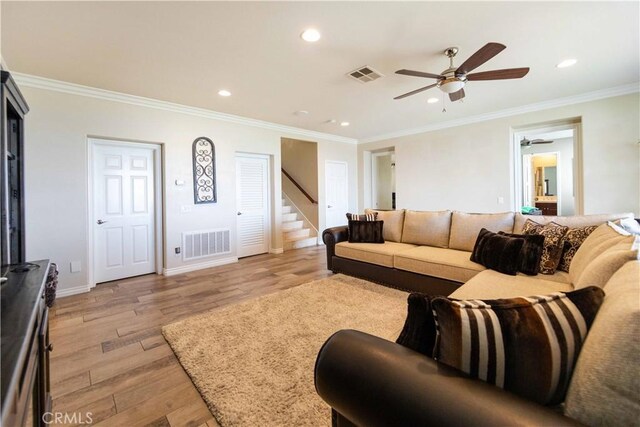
point(200, 244)
point(365, 74)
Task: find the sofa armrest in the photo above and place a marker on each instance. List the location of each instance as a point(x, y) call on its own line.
point(330, 237)
point(374, 382)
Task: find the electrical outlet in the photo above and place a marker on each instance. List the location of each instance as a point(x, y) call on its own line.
point(177, 250)
point(501, 200)
point(76, 266)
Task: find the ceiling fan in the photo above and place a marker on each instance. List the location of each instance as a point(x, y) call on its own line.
point(524, 142)
point(452, 80)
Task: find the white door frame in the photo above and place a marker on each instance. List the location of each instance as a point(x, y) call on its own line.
point(516, 161)
point(269, 193)
point(374, 174)
point(92, 142)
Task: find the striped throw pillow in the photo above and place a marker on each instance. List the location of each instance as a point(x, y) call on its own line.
point(526, 345)
point(364, 217)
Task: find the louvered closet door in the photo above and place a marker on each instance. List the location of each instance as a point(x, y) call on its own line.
point(252, 181)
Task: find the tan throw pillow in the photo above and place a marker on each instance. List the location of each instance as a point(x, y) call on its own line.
point(393, 223)
point(572, 241)
point(601, 239)
point(427, 228)
point(466, 226)
point(600, 270)
point(552, 248)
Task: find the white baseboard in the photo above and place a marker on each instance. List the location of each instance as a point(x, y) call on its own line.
point(199, 266)
point(276, 251)
point(66, 292)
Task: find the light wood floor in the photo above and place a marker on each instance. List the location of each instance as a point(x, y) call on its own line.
point(111, 359)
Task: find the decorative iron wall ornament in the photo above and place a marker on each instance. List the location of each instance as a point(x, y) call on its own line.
point(204, 171)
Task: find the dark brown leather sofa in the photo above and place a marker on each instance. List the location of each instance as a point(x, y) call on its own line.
point(369, 381)
point(392, 277)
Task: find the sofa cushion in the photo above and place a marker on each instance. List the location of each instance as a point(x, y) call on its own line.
point(427, 228)
point(490, 284)
point(465, 227)
point(527, 345)
point(604, 389)
point(571, 243)
point(447, 264)
point(569, 221)
point(393, 223)
point(419, 330)
point(498, 252)
point(599, 271)
point(601, 239)
point(552, 246)
point(374, 253)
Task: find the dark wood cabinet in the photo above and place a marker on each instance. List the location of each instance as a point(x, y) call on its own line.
point(548, 208)
point(13, 108)
point(24, 345)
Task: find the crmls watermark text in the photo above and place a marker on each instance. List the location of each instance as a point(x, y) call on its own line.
point(52, 418)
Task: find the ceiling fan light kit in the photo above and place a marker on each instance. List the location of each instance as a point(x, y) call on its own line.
point(453, 80)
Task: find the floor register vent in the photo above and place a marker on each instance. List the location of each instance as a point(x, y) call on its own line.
point(200, 244)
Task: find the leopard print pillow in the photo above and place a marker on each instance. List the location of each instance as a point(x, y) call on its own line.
point(572, 241)
point(553, 243)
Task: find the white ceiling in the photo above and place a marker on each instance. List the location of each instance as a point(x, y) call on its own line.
point(185, 52)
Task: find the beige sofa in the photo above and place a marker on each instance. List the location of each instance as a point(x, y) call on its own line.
point(438, 245)
point(605, 387)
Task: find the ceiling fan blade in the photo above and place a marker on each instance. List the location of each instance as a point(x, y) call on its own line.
point(508, 73)
point(419, 74)
point(455, 96)
point(541, 141)
point(484, 54)
point(413, 92)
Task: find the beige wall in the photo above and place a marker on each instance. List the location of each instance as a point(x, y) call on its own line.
point(469, 167)
point(300, 160)
point(57, 128)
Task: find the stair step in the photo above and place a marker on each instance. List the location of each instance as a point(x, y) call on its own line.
point(284, 202)
point(289, 216)
point(302, 232)
point(300, 243)
point(292, 225)
point(286, 209)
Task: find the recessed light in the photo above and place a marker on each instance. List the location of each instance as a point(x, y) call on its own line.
point(224, 92)
point(301, 112)
point(567, 63)
point(331, 121)
point(345, 124)
point(310, 35)
point(432, 100)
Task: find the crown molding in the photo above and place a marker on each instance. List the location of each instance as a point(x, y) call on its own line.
point(37, 82)
point(539, 106)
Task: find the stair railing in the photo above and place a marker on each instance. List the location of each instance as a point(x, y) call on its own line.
point(307, 195)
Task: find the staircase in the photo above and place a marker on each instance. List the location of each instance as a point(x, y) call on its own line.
point(296, 230)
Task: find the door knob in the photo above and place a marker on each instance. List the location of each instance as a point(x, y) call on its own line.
point(329, 206)
point(239, 213)
point(100, 222)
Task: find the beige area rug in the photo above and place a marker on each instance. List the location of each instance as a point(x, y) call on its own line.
point(253, 362)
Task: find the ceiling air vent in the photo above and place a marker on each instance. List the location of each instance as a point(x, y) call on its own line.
point(365, 74)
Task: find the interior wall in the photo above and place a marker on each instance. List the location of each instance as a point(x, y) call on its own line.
point(300, 160)
point(56, 132)
point(469, 168)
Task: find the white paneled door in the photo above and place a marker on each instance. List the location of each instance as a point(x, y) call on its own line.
point(123, 211)
point(337, 193)
point(252, 187)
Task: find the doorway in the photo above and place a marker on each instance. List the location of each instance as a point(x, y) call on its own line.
point(125, 205)
point(253, 215)
point(548, 170)
point(383, 180)
point(337, 193)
